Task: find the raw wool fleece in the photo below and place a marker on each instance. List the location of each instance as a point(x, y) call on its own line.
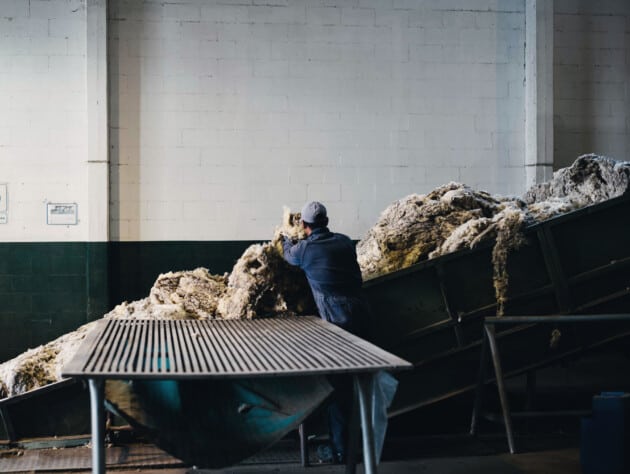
point(589, 180)
point(450, 218)
point(263, 284)
point(454, 216)
point(197, 292)
point(508, 238)
point(418, 227)
point(177, 295)
point(40, 366)
point(260, 284)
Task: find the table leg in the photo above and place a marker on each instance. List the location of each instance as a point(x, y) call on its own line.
point(363, 387)
point(354, 436)
point(303, 445)
point(97, 398)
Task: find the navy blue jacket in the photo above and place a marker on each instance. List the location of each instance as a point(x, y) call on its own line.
point(329, 261)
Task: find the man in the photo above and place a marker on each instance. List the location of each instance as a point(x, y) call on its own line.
point(329, 261)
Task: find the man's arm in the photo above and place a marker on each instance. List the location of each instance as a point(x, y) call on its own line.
point(293, 252)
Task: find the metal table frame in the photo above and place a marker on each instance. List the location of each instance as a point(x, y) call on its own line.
point(363, 379)
point(489, 340)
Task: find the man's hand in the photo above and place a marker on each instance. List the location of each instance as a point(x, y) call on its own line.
point(286, 240)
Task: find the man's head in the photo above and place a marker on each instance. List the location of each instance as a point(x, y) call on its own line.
point(314, 215)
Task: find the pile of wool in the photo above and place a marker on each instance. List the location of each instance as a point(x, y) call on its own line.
point(177, 295)
point(589, 180)
point(260, 284)
point(40, 366)
point(454, 216)
point(418, 227)
point(450, 218)
point(263, 284)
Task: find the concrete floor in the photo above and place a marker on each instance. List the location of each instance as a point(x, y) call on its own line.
point(451, 455)
point(556, 461)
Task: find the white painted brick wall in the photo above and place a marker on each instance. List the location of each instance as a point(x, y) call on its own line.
point(222, 112)
point(592, 79)
point(43, 115)
point(355, 103)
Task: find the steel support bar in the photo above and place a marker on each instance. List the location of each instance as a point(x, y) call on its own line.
point(459, 336)
point(572, 318)
point(505, 407)
point(97, 408)
point(303, 445)
point(363, 387)
point(481, 382)
point(354, 434)
point(489, 338)
point(540, 414)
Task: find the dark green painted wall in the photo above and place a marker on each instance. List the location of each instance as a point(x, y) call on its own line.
point(50, 288)
point(134, 266)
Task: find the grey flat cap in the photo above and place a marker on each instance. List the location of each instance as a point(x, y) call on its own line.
point(313, 212)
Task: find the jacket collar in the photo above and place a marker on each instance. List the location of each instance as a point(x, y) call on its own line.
point(318, 233)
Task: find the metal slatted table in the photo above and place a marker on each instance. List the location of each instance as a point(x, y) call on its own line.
point(204, 349)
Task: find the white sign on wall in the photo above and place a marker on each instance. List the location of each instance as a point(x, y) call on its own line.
point(61, 213)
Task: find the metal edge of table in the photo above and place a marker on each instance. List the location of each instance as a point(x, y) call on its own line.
point(400, 364)
point(80, 357)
